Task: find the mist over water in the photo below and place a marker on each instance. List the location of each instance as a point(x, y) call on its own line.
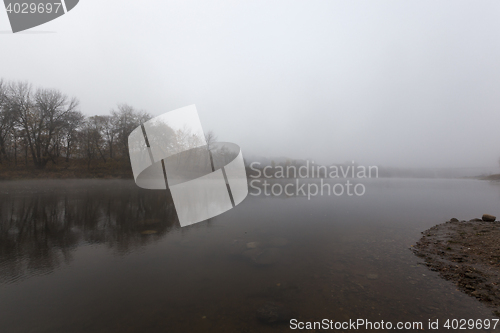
point(100, 255)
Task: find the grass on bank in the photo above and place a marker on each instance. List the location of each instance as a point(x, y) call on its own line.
point(111, 169)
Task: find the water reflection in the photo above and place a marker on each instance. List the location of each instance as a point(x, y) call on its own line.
point(39, 230)
point(266, 259)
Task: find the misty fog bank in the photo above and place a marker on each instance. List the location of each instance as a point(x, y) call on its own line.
point(397, 83)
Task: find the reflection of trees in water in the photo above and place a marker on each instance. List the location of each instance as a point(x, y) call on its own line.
point(38, 231)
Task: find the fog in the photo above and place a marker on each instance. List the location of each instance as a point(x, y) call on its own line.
point(395, 83)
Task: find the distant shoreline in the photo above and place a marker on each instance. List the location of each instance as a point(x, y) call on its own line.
point(495, 177)
point(117, 169)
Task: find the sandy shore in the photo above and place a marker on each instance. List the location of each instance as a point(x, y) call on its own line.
point(468, 254)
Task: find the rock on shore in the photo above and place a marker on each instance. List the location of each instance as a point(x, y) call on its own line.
point(489, 218)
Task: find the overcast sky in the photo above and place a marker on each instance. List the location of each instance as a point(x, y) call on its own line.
point(401, 83)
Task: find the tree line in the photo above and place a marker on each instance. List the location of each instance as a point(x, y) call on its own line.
point(39, 125)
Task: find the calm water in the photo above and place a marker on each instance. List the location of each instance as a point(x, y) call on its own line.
point(105, 256)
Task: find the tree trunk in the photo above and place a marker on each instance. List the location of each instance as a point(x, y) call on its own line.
point(25, 152)
point(15, 151)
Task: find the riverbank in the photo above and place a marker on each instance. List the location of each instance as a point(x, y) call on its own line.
point(112, 169)
point(468, 254)
point(68, 170)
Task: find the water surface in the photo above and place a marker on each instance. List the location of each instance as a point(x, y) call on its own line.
point(106, 256)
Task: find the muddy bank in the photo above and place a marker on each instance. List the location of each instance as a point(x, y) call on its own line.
point(468, 254)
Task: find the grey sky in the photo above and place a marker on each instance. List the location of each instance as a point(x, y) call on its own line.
point(402, 83)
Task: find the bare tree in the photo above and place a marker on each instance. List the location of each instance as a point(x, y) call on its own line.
point(110, 131)
point(97, 125)
point(19, 105)
point(42, 117)
point(53, 108)
point(88, 136)
point(74, 120)
point(6, 120)
point(127, 119)
point(210, 138)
